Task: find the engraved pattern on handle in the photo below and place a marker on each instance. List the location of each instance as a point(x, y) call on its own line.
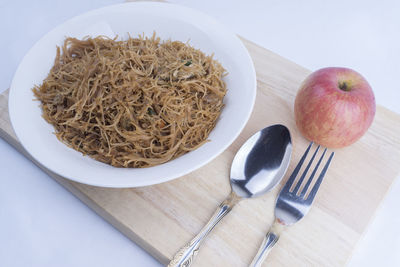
point(190, 249)
point(268, 243)
point(185, 256)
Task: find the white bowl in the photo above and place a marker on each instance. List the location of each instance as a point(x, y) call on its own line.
point(168, 21)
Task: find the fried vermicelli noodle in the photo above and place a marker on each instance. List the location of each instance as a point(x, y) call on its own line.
point(133, 103)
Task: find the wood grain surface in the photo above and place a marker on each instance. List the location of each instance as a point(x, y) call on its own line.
point(162, 218)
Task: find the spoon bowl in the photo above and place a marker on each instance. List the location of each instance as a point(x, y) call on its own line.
point(257, 167)
point(261, 162)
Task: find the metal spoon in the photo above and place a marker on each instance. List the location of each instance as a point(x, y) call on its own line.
point(258, 166)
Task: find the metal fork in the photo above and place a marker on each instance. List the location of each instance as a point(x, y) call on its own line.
point(292, 205)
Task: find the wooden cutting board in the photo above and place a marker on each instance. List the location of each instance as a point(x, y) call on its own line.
point(162, 218)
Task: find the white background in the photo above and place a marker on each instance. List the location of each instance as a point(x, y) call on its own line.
point(41, 224)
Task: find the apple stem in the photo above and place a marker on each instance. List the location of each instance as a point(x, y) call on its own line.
point(344, 86)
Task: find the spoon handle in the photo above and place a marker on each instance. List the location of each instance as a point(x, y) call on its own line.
point(184, 257)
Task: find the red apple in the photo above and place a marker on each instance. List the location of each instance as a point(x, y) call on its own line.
point(334, 107)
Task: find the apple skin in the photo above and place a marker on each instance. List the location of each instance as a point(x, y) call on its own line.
point(334, 107)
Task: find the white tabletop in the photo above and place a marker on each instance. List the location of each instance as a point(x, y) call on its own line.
point(42, 224)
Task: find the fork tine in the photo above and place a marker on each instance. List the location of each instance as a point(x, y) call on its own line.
point(292, 177)
point(305, 172)
point(314, 190)
point(303, 192)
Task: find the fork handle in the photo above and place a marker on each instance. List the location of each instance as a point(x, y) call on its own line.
point(269, 241)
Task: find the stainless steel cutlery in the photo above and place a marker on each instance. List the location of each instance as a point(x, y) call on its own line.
point(257, 167)
point(294, 201)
